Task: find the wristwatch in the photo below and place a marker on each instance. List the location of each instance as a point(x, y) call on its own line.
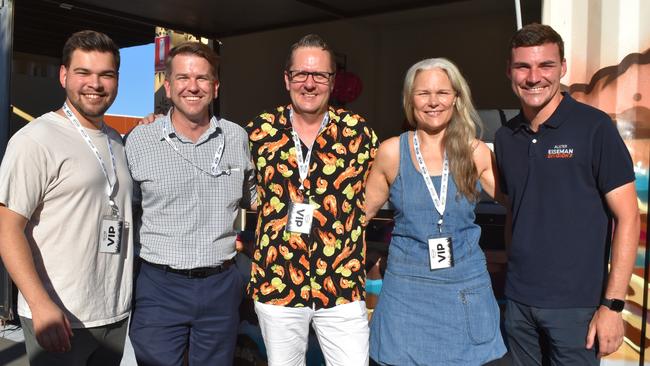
point(613, 304)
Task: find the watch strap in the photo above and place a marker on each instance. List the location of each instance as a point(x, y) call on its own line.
point(616, 305)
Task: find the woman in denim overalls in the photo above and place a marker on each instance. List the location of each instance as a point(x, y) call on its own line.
point(436, 306)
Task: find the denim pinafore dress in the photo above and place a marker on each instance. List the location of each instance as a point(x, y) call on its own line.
point(442, 317)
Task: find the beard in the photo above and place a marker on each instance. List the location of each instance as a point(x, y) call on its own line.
point(89, 110)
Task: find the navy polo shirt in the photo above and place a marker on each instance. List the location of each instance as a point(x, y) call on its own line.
point(556, 180)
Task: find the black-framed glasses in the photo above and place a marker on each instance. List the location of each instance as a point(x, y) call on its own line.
point(299, 76)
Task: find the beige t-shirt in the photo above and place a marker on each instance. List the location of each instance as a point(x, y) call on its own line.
point(51, 176)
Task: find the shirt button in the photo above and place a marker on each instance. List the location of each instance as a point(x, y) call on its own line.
point(534, 141)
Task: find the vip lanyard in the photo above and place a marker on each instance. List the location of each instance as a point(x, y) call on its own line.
point(111, 186)
point(303, 163)
point(214, 168)
point(438, 202)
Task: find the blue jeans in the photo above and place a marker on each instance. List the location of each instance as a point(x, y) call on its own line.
point(549, 336)
point(173, 313)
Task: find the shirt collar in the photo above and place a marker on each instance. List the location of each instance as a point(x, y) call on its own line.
point(168, 127)
point(556, 119)
point(285, 116)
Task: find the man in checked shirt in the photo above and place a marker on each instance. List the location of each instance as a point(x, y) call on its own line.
point(194, 172)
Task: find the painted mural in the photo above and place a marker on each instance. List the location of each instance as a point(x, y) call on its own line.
point(607, 47)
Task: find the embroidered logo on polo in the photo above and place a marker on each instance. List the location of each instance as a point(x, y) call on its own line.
point(560, 152)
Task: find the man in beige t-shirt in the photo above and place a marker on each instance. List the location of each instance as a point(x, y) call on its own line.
point(65, 207)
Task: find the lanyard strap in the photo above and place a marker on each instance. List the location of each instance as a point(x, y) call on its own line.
point(110, 191)
point(438, 202)
point(303, 163)
point(214, 168)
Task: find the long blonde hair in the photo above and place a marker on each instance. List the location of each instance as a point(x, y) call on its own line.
point(462, 127)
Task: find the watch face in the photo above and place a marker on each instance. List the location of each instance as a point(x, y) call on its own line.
point(617, 305)
point(613, 304)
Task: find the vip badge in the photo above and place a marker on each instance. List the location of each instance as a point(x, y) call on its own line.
point(300, 218)
point(110, 234)
point(440, 253)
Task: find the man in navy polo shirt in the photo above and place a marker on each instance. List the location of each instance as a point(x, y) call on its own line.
point(566, 173)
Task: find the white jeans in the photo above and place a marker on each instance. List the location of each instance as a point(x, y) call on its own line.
point(342, 333)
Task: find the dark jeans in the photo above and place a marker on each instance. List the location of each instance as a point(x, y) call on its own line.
point(173, 313)
point(549, 337)
point(97, 346)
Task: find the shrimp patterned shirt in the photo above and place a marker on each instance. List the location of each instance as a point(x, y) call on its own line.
point(326, 267)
